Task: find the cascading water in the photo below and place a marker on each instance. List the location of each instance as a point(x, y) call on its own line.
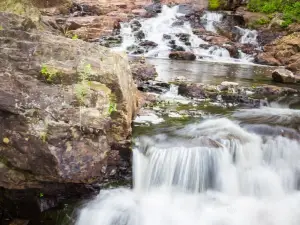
point(210, 18)
point(161, 33)
point(216, 172)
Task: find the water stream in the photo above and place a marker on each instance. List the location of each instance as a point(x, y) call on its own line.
point(242, 168)
point(167, 30)
point(216, 171)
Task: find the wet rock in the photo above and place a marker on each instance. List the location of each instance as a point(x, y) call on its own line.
point(153, 9)
point(205, 46)
point(139, 35)
point(167, 37)
point(183, 37)
point(233, 50)
point(148, 44)
point(154, 86)
point(176, 48)
point(194, 90)
point(56, 127)
point(181, 55)
point(177, 23)
point(111, 41)
point(283, 76)
point(135, 25)
point(142, 71)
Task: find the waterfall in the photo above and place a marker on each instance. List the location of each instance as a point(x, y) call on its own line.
point(215, 172)
point(209, 18)
point(248, 36)
point(156, 37)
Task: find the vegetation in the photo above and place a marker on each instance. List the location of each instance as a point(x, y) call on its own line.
point(49, 73)
point(82, 88)
point(290, 9)
point(214, 4)
point(75, 37)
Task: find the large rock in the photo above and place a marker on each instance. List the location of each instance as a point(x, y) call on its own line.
point(282, 75)
point(66, 108)
point(181, 55)
point(284, 51)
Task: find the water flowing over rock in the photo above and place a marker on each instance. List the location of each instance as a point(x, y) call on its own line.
point(209, 167)
point(66, 108)
point(172, 30)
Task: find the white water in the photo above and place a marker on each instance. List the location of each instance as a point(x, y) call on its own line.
point(248, 36)
point(154, 29)
point(212, 173)
point(210, 18)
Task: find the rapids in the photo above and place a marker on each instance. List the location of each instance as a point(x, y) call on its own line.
point(155, 28)
point(214, 172)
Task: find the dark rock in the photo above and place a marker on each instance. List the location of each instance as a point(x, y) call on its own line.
point(167, 37)
point(139, 35)
point(148, 44)
point(180, 55)
point(205, 46)
point(172, 42)
point(176, 48)
point(154, 86)
point(153, 9)
point(111, 41)
point(142, 71)
point(192, 90)
point(183, 37)
point(135, 25)
point(282, 75)
point(177, 23)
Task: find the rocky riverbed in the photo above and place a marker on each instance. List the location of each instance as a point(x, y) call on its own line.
point(70, 102)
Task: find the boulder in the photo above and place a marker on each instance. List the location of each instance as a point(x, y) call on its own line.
point(284, 51)
point(142, 71)
point(181, 55)
point(167, 37)
point(148, 44)
point(282, 75)
point(139, 35)
point(183, 37)
point(192, 90)
point(66, 108)
point(135, 25)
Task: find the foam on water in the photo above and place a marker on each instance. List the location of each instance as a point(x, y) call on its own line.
point(216, 172)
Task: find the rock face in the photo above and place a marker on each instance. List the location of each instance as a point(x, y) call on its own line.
point(285, 51)
point(66, 108)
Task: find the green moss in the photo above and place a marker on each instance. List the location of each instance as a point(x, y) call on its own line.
point(214, 4)
point(50, 73)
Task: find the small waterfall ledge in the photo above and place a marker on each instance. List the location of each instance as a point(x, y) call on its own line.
point(208, 173)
